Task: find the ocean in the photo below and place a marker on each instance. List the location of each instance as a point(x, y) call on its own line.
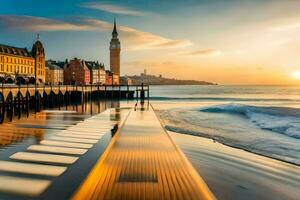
point(264, 120)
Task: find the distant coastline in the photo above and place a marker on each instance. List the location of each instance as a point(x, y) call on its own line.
point(159, 80)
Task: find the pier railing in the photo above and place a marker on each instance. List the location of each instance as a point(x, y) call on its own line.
point(13, 90)
point(15, 98)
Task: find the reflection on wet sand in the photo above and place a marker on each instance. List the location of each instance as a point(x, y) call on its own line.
point(44, 144)
point(34, 125)
point(13, 134)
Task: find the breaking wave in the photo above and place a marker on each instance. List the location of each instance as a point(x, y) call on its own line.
point(282, 120)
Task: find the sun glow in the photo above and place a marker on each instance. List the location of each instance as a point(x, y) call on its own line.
point(296, 75)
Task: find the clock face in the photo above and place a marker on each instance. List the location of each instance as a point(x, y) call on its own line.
point(113, 45)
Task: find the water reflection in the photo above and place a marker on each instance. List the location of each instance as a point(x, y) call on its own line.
point(20, 124)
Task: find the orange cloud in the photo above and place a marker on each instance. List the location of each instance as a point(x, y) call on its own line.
point(204, 52)
point(116, 9)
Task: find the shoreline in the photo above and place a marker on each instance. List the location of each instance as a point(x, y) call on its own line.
point(232, 172)
point(235, 147)
point(161, 107)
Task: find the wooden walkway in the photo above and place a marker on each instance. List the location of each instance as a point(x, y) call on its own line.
point(142, 162)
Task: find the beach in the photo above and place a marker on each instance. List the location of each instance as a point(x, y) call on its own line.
point(233, 173)
point(243, 141)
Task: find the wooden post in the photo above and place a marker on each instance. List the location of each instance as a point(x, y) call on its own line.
point(127, 95)
point(148, 92)
point(137, 93)
point(82, 94)
point(112, 90)
point(91, 92)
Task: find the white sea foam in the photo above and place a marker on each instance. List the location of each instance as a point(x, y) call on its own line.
point(269, 131)
point(278, 119)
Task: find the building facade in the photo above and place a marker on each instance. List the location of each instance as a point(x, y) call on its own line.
point(18, 65)
point(102, 75)
point(54, 73)
point(76, 72)
point(38, 53)
point(115, 49)
point(94, 68)
point(108, 77)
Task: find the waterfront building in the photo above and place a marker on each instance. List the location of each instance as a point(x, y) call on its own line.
point(97, 72)
point(19, 65)
point(76, 72)
point(115, 49)
point(108, 77)
point(38, 53)
point(94, 68)
point(145, 73)
point(15, 62)
point(54, 73)
point(126, 80)
point(102, 74)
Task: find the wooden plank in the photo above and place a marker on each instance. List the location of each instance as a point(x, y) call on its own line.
point(47, 158)
point(96, 137)
point(66, 144)
point(53, 149)
point(30, 168)
point(23, 186)
point(68, 139)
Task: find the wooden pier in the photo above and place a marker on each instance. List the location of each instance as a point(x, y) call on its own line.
point(142, 162)
point(16, 99)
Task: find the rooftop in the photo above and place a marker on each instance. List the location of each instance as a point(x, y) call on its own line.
point(5, 49)
point(53, 65)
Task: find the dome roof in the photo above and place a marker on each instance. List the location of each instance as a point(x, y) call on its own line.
point(37, 47)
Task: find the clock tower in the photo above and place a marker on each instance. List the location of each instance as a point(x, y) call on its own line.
point(115, 48)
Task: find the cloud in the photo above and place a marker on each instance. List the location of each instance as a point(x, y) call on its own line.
point(29, 23)
point(111, 8)
point(132, 39)
point(205, 52)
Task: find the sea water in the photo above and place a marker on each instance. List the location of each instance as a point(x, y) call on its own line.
point(261, 119)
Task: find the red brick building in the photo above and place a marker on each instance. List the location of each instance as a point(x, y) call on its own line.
point(76, 72)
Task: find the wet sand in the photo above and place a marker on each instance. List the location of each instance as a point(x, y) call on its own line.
point(233, 173)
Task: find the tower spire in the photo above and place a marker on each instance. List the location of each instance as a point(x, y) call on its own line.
point(115, 28)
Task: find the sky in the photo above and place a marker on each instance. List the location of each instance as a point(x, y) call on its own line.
point(221, 41)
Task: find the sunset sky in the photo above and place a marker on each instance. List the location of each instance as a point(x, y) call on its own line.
point(222, 41)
